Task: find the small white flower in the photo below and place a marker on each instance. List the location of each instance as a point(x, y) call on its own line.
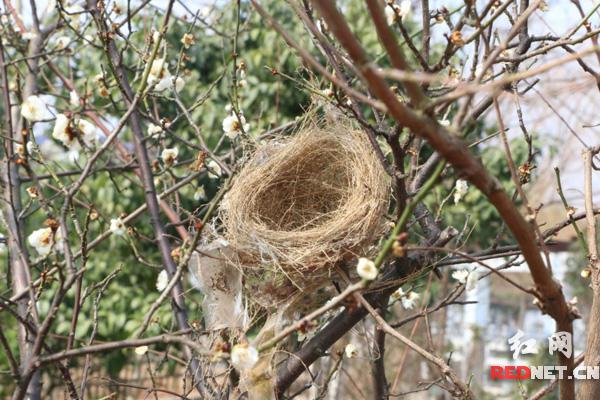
point(444, 122)
point(179, 84)
point(405, 8)
point(398, 294)
point(366, 269)
point(43, 239)
point(228, 108)
point(187, 40)
point(200, 193)
point(163, 84)
point(410, 300)
point(61, 130)
point(232, 126)
point(73, 14)
point(214, 169)
point(243, 357)
point(585, 273)
point(460, 189)
point(20, 149)
point(74, 98)
point(32, 192)
point(460, 275)
point(155, 35)
point(162, 281)
point(351, 351)
point(154, 129)
point(88, 130)
point(34, 109)
point(169, 155)
point(141, 350)
point(395, 11)
point(28, 35)
point(159, 74)
point(117, 226)
point(242, 83)
point(472, 281)
point(62, 42)
point(30, 147)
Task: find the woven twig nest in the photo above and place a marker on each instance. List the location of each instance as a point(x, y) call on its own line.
point(300, 206)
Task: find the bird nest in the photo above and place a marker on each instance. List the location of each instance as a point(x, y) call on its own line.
point(300, 206)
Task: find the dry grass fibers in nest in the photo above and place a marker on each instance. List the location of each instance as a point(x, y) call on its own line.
point(300, 206)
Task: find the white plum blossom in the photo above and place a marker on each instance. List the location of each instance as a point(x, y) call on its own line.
point(28, 35)
point(73, 14)
point(585, 273)
point(32, 192)
point(460, 189)
point(233, 126)
point(88, 130)
point(154, 129)
point(366, 269)
point(62, 42)
point(179, 84)
point(243, 357)
point(214, 169)
point(117, 226)
point(472, 280)
point(60, 131)
point(141, 350)
point(34, 109)
point(74, 98)
point(444, 122)
point(398, 294)
point(187, 40)
point(393, 11)
point(200, 193)
point(410, 300)
point(159, 74)
point(169, 155)
point(43, 239)
point(461, 275)
point(155, 35)
point(20, 149)
point(162, 281)
point(351, 351)
point(63, 131)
